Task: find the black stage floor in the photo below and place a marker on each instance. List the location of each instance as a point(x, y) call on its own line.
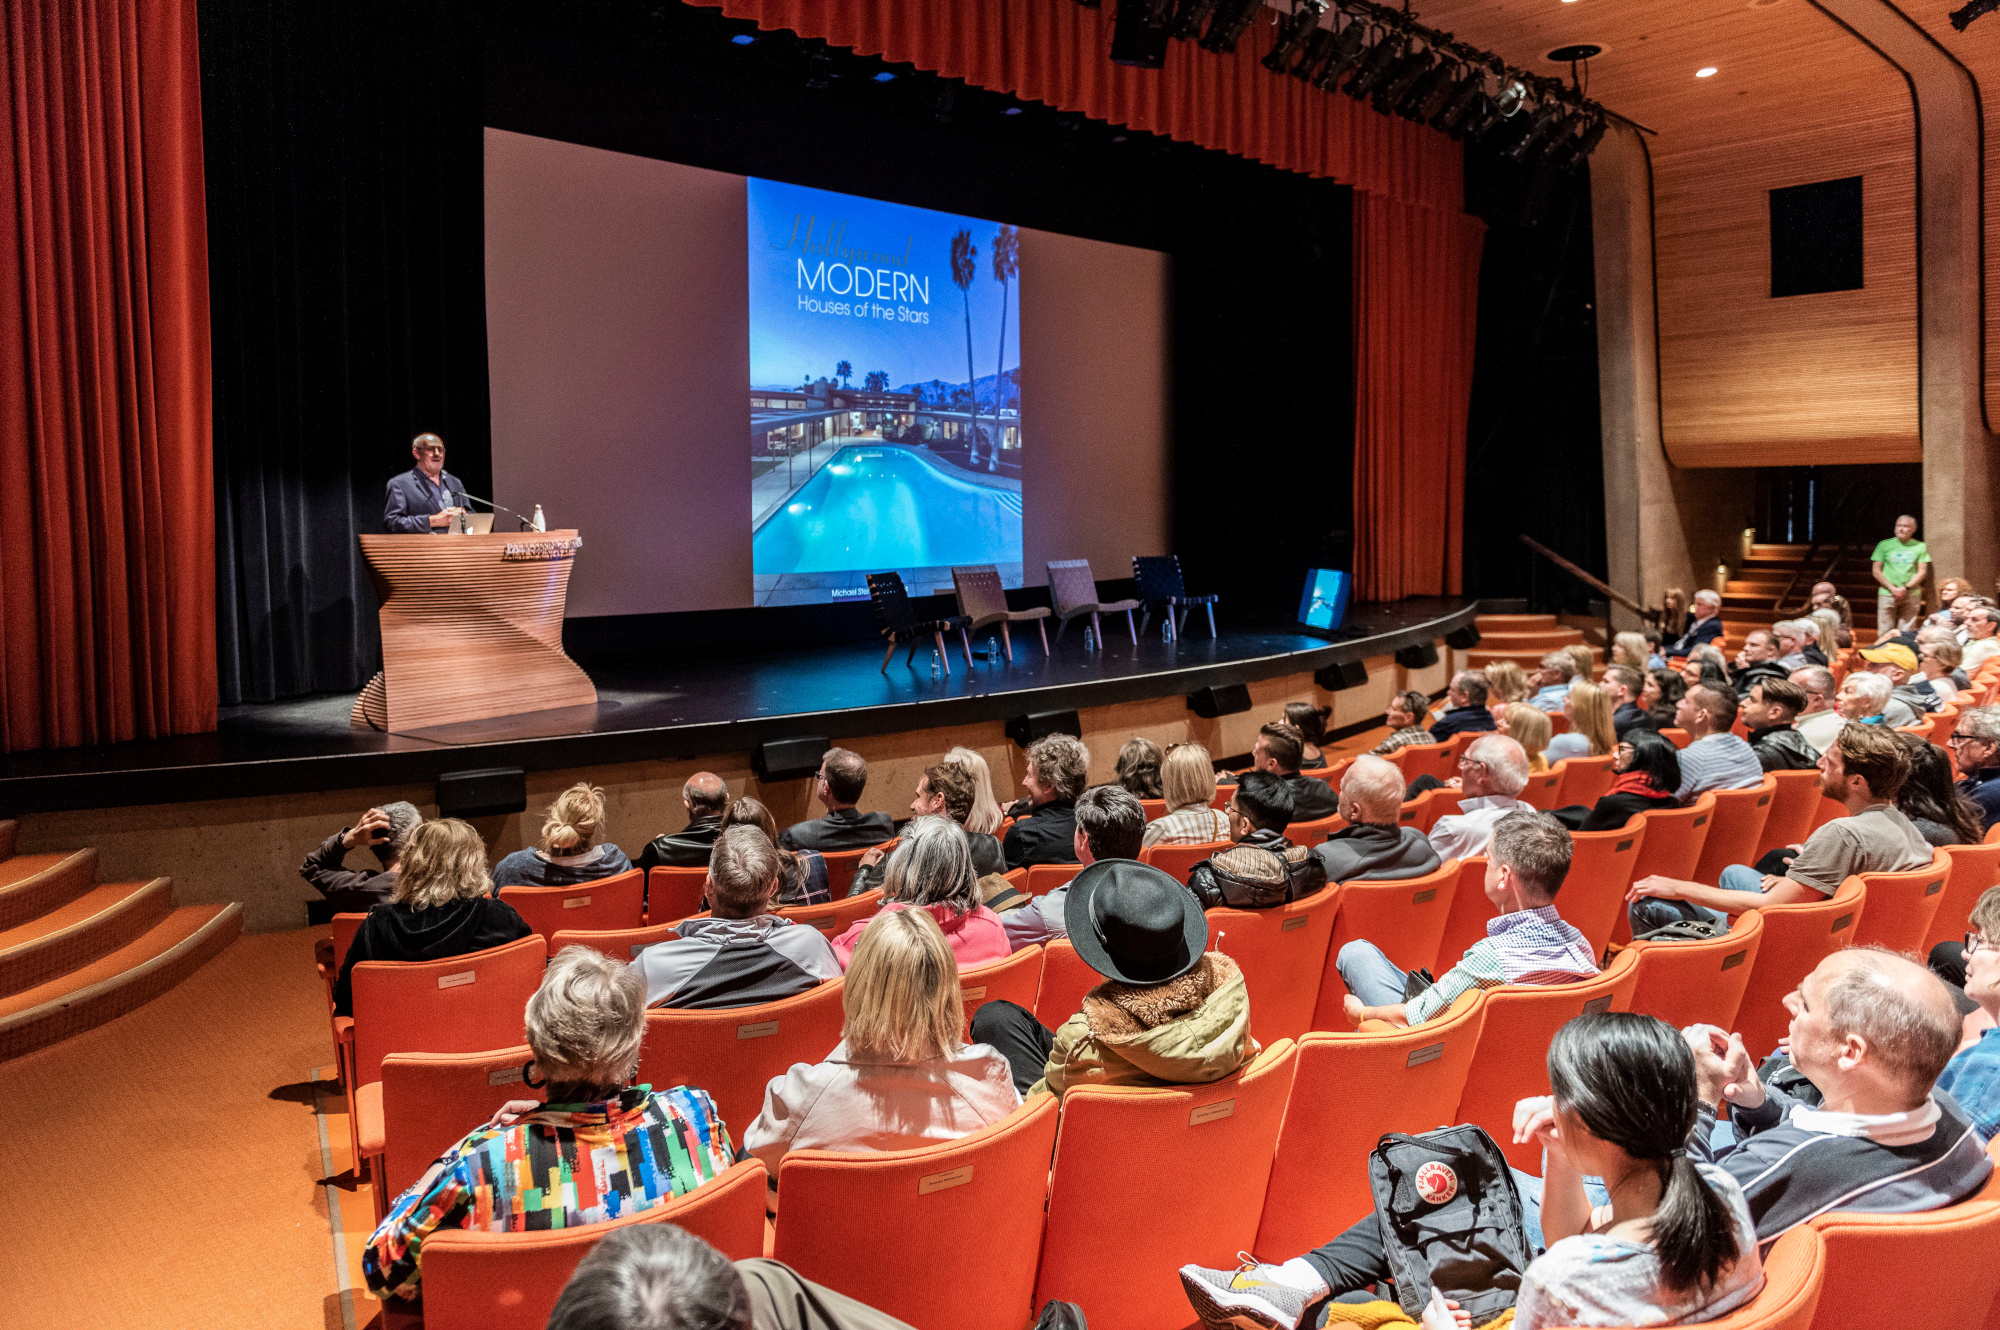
point(669, 709)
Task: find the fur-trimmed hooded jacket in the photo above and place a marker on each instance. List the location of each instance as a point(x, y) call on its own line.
point(1187, 1031)
point(1260, 872)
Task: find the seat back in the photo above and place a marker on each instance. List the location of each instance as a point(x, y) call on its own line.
point(623, 944)
point(1971, 869)
point(840, 866)
point(835, 917)
point(510, 1281)
point(1120, 1219)
point(1155, 809)
point(1158, 576)
point(1315, 831)
point(1796, 938)
point(1586, 779)
point(1602, 865)
point(1437, 761)
point(734, 1053)
point(1735, 830)
point(1795, 798)
point(1015, 979)
point(954, 1228)
point(1281, 952)
point(1543, 788)
point(617, 901)
point(1953, 1248)
point(1678, 737)
point(430, 1101)
point(1437, 805)
point(1044, 878)
point(674, 893)
point(1065, 980)
point(461, 1004)
point(979, 593)
point(893, 614)
point(1177, 860)
point(1413, 1081)
point(1511, 1063)
point(1466, 922)
point(1901, 907)
point(1406, 918)
point(1698, 982)
point(1674, 841)
point(345, 926)
point(1072, 586)
point(1793, 1275)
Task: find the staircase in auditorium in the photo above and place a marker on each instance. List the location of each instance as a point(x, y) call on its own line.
point(1747, 598)
point(1521, 638)
point(75, 952)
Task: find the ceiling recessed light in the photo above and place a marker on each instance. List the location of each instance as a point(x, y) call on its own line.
point(1706, 71)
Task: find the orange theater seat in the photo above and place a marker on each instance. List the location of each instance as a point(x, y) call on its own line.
point(1315, 831)
point(840, 866)
point(1120, 1222)
point(1349, 1091)
point(329, 956)
point(1796, 939)
point(952, 1230)
point(1793, 1275)
point(1971, 870)
point(1672, 848)
point(1543, 788)
point(622, 944)
point(734, 1053)
point(1697, 982)
point(1901, 907)
point(1735, 830)
point(1281, 953)
point(1177, 860)
point(1678, 737)
point(1437, 804)
point(1947, 1256)
point(1016, 979)
point(1044, 878)
point(1511, 1063)
point(1586, 779)
point(608, 903)
point(1438, 761)
point(835, 917)
point(1405, 918)
point(426, 1103)
point(1466, 923)
point(1065, 979)
point(1793, 802)
point(1155, 809)
point(674, 893)
point(510, 1281)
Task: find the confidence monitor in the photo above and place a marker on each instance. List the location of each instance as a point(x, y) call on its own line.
point(1323, 603)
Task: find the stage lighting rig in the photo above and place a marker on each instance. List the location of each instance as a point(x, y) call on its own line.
point(1294, 33)
point(1348, 48)
point(1374, 67)
point(1540, 125)
point(1188, 17)
point(1229, 19)
point(1427, 95)
point(1139, 33)
point(1460, 101)
point(1317, 50)
point(1402, 76)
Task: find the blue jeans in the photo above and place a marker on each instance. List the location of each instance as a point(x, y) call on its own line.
point(1370, 975)
point(1530, 1188)
point(1650, 913)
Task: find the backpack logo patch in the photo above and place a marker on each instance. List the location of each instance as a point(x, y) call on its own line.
point(1436, 1183)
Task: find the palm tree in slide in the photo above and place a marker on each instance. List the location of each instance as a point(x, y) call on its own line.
point(1006, 267)
point(964, 268)
point(843, 371)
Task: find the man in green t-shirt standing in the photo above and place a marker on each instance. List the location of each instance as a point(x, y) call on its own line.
point(1900, 565)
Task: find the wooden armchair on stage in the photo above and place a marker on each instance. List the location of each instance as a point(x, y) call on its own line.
point(982, 599)
point(471, 629)
point(1073, 588)
point(899, 623)
point(1159, 577)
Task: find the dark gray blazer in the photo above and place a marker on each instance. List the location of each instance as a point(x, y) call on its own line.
point(1377, 853)
point(412, 500)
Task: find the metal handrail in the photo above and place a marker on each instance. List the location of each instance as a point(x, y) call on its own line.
point(1591, 580)
point(1777, 605)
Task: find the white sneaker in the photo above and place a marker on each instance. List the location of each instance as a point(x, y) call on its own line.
point(1249, 1297)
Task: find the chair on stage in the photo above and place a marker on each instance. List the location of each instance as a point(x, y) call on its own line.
point(982, 600)
point(1159, 578)
point(899, 623)
point(1073, 588)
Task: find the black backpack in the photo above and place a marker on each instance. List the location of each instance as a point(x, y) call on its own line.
point(1450, 1217)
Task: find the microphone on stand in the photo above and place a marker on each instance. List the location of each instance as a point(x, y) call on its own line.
point(527, 524)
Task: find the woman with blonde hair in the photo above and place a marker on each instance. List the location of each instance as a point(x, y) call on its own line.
point(566, 854)
point(1531, 729)
point(1187, 780)
point(442, 907)
point(985, 817)
point(802, 878)
point(1583, 662)
point(1590, 734)
point(1506, 684)
point(932, 868)
point(1631, 649)
point(901, 1076)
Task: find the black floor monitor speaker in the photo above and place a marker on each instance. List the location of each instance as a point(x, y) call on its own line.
point(1419, 657)
point(1462, 639)
point(1226, 700)
point(1024, 730)
point(787, 759)
point(1347, 674)
point(482, 793)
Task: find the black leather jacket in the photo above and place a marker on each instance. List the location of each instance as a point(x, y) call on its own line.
point(1260, 872)
point(1782, 748)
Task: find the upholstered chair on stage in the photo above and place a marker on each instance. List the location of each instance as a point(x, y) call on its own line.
point(982, 599)
point(1073, 588)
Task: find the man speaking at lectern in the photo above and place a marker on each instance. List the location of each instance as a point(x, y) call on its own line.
point(420, 500)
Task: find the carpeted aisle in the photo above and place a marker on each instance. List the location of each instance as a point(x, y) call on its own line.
point(167, 1165)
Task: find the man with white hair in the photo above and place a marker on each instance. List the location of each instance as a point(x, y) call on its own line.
point(383, 830)
point(1862, 697)
point(1551, 682)
point(1896, 663)
point(1981, 637)
point(1975, 752)
point(1707, 625)
point(1375, 846)
point(1791, 636)
point(1819, 722)
point(1899, 564)
point(1493, 771)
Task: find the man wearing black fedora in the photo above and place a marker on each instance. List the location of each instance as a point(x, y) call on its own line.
point(1168, 1013)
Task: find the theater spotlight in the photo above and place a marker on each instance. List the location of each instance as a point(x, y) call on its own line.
point(1374, 67)
point(1496, 110)
point(1294, 33)
point(1424, 98)
point(1139, 33)
point(1188, 17)
point(1402, 76)
point(1349, 47)
point(1317, 50)
point(1229, 20)
point(1460, 102)
point(1540, 126)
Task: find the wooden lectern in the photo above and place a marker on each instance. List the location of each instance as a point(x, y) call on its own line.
point(471, 629)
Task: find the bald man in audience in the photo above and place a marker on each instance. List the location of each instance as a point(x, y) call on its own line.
point(1375, 846)
point(705, 797)
point(1819, 722)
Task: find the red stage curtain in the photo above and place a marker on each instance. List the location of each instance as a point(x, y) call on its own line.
point(107, 520)
point(1416, 257)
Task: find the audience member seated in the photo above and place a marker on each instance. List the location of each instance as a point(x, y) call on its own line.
point(1820, 720)
point(1263, 869)
point(843, 775)
point(1791, 636)
point(384, 831)
point(1768, 712)
point(1660, 695)
point(1551, 683)
point(1526, 943)
point(1705, 665)
point(1465, 707)
point(1405, 719)
point(1705, 628)
point(1937, 667)
point(1277, 751)
point(1138, 769)
point(1972, 1077)
point(1310, 722)
point(1057, 766)
point(986, 815)
point(566, 855)
point(900, 1078)
point(1168, 1014)
point(1187, 779)
point(1864, 769)
point(1649, 776)
point(1630, 649)
point(1375, 846)
point(1490, 775)
point(1715, 758)
point(932, 869)
point(802, 876)
point(1110, 824)
point(1826, 596)
point(1975, 752)
point(1530, 729)
point(1622, 686)
point(945, 790)
point(1583, 662)
point(585, 1024)
point(705, 797)
point(1982, 637)
point(1863, 698)
point(442, 906)
point(1935, 806)
point(740, 954)
point(1590, 733)
point(1506, 684)
point(1907, 702)
point(1758, 660)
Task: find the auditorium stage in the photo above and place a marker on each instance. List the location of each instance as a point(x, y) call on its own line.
point(672, 709)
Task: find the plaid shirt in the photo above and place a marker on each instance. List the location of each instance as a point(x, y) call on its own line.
point(1527, 947)
point(1409, 734)
point(563, 1165)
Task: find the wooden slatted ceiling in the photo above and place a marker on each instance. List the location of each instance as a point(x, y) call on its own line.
point(1797, 99)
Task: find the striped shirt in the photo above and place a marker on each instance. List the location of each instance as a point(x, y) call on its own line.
point(1197, 824)
point(1526, 947)
point(1718, 762)
point(560, 1166)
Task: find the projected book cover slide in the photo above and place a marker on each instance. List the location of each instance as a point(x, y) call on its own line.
point(885, 403)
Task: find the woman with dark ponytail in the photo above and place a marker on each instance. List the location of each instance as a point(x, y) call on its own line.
point(1676, 1245)
point(1310, 721)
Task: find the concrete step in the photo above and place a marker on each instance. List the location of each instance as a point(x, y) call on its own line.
point(1544, 641)
point(31, 885)
point(71, 936)
point(1515, 623)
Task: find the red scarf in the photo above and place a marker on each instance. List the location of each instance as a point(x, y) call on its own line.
point(1639, 783)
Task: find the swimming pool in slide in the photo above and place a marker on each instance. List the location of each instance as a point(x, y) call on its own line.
point(872, 508)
